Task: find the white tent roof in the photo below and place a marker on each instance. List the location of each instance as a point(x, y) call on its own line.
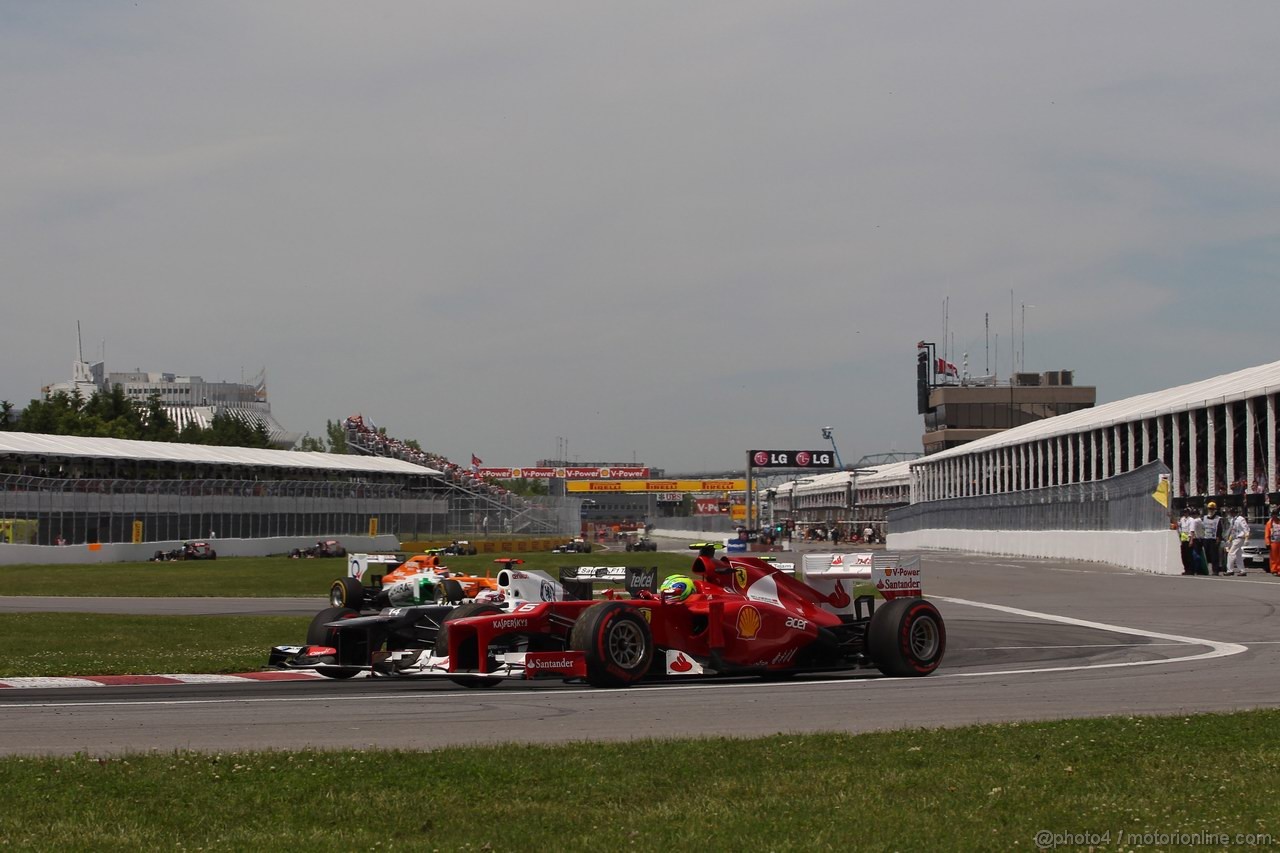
point(893, 474)
point(823, 482)
point(162, 451)
point(1243, 384)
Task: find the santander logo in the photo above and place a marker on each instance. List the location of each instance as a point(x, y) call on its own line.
point(561, 663)
point(681, 664)
point(838, 598)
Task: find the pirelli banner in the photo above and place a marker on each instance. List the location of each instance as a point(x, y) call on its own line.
point(655, 486)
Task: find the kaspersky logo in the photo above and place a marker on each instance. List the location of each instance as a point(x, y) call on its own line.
point(749, 623)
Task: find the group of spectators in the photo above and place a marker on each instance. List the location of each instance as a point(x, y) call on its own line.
point(378, 443)
point(835, 535)
point(1214, 544)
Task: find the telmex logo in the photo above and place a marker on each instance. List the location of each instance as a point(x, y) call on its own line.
point(644, 579)
point(748, 623)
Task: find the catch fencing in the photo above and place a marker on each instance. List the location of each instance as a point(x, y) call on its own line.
point(1124, 502)
point(46, 511)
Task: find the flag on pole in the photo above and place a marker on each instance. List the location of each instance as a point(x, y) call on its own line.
point(947, 368)
point(476, 462)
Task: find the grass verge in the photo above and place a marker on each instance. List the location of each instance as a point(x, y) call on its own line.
point(976, 788)
point(44, 644)
point(267, 576)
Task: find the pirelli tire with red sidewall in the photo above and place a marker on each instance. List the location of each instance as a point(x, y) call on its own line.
point(617, 644)
point(906, 637)
point(353, 647)
point(468, 655)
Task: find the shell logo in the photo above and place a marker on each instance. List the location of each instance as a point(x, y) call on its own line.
point(605, 473)
point(749, 622)
point(740, 575)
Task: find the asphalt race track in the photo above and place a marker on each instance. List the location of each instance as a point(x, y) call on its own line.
point(1027, 639)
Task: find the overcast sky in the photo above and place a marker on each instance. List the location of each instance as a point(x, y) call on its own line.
point(667, 232)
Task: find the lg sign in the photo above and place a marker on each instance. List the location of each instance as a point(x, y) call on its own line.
point(792, 459)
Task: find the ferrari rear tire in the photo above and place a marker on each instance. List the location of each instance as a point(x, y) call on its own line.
point(468, 654)
point(617, 644)
point(320, 634)
point(906, 637)
point(346, 592)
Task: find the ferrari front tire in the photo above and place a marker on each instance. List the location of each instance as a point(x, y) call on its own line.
point(616, 642)
point(906, 637)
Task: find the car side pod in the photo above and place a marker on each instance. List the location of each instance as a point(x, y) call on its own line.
point(906, 637)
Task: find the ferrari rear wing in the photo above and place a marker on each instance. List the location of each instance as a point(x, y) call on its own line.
point(579, 581)
point(892, 576)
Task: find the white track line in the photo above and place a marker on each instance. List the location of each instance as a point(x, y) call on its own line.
point(1216, 649)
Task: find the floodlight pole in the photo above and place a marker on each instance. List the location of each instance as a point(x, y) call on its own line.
point(829, 434)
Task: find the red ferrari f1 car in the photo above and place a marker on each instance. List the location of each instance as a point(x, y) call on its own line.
point(734, 616)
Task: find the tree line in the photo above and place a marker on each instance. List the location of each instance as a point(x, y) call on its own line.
point(111, 414)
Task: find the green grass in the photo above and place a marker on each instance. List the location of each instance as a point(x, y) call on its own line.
point(976, 788)
point(44, 644)
point(266, 576)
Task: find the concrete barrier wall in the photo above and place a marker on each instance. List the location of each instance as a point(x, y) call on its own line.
point(1155, 551)
point(65, 555)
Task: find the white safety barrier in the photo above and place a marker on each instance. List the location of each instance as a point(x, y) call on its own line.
point(1155, 551)
point(62, 555)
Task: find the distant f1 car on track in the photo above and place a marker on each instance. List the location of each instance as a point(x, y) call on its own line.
point(577, 545)
point(641, 543)
point(322, 548)
point(188, 551)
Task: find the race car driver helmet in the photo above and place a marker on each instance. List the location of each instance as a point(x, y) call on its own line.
point(676, 588)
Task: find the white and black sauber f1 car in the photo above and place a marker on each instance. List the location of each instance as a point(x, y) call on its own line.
point(342, 643)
